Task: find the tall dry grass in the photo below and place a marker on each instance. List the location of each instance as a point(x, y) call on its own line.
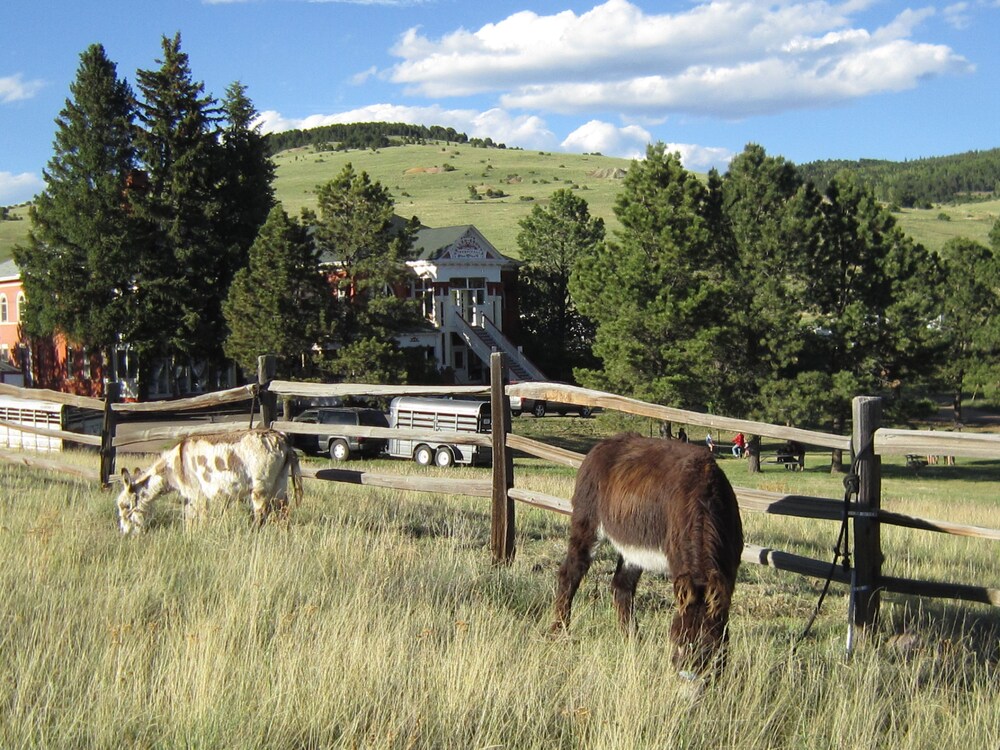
point(373, 618)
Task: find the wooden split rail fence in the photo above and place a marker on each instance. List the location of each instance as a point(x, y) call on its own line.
point(867, 444)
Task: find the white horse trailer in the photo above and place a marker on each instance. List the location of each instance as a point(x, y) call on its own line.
point(45, 415)
point(440, 415)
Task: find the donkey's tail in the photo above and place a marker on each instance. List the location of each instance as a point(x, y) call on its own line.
point(292, 462)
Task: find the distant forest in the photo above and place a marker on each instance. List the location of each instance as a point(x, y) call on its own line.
point(961, 178)
point(370, 135)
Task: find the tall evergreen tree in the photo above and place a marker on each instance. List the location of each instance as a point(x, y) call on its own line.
point(83, 268)
point(766, 225)
point(871, 294)
point(280, 303)
point(650, 290)
point(557, 337)
point(970, 320)
point(246, 188)
point(181, 154)
point(367, 247)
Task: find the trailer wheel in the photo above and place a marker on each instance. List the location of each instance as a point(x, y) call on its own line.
point(444, 457)
point(585, 411)
point(538, 409)
point(423, 455)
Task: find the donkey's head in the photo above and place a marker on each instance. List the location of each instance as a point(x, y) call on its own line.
point(699, 631)
point(132, 500)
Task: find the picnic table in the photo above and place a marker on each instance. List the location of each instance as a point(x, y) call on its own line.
point(792, 460)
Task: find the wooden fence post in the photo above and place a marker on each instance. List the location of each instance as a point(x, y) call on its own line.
point(266, 367)
point(112, 392)
point(867, 535)
point(502, 521)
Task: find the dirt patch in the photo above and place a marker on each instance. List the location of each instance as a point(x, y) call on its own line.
point(617, 173)
point(423, 170)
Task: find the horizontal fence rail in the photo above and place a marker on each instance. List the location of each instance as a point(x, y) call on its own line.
point(55, 397)
point(72, 437)
point(168, 435)
point(342, 390)
point(59, 467)
point(204, 401)
point(441, 485)
point(932, 442)
point(401, 433)
point(571, 394)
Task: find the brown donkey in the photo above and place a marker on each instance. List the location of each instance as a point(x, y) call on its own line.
point(666, 507)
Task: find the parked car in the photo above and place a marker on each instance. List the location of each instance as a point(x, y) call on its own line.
point(540, 407)
point(342, 447)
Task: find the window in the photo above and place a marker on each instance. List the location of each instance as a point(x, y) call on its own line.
point(70, 356)
point(20, 307)
point(3, 308)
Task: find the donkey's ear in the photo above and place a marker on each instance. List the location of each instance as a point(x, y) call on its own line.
point(126, 478)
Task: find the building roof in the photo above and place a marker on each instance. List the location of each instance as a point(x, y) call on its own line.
point(458, 243)
point(9, 270)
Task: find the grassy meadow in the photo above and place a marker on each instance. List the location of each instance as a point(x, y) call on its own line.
point(432, 182)
point(373, 618)
point(13, 231)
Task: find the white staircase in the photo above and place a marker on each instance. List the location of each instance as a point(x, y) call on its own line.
point(487, 338)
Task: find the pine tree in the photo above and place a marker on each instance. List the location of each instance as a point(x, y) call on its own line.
point(280, 303)
point(83, 268)
point(871, 295)
point(181, 154)
point(969, 324)
point(650, 291)
point(557, 338)
point(246, 189)
point(357, 230)
point(767, 221)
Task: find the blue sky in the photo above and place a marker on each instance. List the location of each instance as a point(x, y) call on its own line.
point(807, 79)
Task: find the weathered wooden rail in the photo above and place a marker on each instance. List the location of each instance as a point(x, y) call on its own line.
point(867, 444)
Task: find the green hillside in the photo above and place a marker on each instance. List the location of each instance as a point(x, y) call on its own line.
point(432, 182)
point(13, 231)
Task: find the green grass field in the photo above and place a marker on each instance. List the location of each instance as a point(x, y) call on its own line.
point(373, 618)
point(432, 182)
point(13, 232)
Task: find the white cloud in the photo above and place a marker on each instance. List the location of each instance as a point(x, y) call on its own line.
point(603, 137)
point(14, 88)
point(18, 188)
point(958, 16)
point(359, 79)
point(729, 58)
point(702, 158)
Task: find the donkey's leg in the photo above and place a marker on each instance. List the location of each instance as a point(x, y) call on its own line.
point(261, 505)
point(582, 539)
point(623, 585)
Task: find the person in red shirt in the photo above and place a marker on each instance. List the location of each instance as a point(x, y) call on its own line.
point(739, 445)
